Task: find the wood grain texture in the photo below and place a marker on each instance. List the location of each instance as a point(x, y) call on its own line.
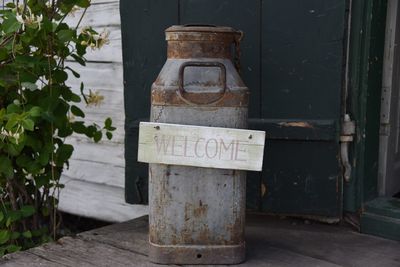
point(101, 163)
point(96, 200)
point(270, 241)
point(95, 180)
point(78, 252)
point(210, 147)
point(100, 15)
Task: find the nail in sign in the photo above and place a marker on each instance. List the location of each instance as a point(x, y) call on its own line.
point(199, 146)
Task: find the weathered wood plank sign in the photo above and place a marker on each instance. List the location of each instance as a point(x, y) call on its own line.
point(210, 147)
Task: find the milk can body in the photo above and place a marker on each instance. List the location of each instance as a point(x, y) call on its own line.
point(197, 215)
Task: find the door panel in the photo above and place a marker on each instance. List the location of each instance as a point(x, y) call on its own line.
point(292, 61)
point(144, 52)
point(302, 66)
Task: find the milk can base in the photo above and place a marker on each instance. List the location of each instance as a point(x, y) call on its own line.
point(197, 254)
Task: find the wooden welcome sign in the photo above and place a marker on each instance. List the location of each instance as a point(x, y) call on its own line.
point(198, 146)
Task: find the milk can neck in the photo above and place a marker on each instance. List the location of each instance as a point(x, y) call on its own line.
point(189, 41)
point(199, 49)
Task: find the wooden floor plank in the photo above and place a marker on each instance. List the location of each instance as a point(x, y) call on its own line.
point(24, 258)
point(77, 252)
point(331, 243)
point(270, 242)
point(131, 235)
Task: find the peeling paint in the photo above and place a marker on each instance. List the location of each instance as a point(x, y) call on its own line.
point(263, 189)
point(301, 124)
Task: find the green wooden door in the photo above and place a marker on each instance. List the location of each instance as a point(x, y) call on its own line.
point(292, 61)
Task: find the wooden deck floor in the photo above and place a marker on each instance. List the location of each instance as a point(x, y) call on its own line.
point(270, 242)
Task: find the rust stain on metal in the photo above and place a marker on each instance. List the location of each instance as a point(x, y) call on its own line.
point(236, 231)
point(200, 42)
point(200, 211)
point(179, 49)
point(170, 98)
point(301, 124)
point(204, 235)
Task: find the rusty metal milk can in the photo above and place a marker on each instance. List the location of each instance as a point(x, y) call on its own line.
point(197, 215)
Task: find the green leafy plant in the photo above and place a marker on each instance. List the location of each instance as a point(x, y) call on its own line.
point(38, 111)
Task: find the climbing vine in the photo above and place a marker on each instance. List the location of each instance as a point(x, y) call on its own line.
point(38, 111)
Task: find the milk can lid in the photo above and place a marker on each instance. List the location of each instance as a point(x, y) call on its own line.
point(200, 28)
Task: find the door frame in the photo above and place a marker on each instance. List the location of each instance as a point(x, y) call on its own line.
point(366, 42)
point(378, 216)
point(386, 115)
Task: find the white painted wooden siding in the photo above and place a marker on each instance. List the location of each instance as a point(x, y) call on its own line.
point(94, 183)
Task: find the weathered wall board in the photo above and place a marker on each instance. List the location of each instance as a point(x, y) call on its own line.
point(94, 183)
point(211, 147)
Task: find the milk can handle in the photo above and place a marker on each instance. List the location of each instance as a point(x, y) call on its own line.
point(181, 90)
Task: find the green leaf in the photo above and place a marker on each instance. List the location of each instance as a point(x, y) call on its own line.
point(10, 25)
point(14, 215)
point(23, 160)
point(44, 158)
point(91, 129)
point(35, 111)
point(75, 98)
point(79, 59)
point(27, 234)
point(29, 85)
point(77, 111)
point(28, 124)
point(45, 211)
point(63, 153)
point(41, 181)
point(2, 113)
point(61, 109)
point(109, 135)
point(14, 149)
point(79, 127)
point(68, 95)
point(60, 185)
point(11, 122)
point(83, 3)
point(10, 5)
point(1, 216)
point(6, 166)
point(97, 136)
point(15, 235)
point(4, 236)
point(3, 54)
point(60, 76)
point(27, 211)
point(12, 108)
point(34, 143)
point(108, 123)
point(13, 248)
point(66, 35)
point(64, 129)
point(77, 75)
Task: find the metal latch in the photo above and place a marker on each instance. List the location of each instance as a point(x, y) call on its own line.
point(346, 136)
